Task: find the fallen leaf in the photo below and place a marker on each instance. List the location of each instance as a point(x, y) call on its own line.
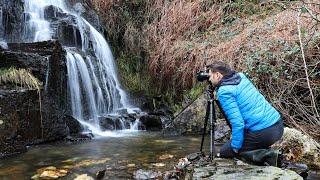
point(131, 165)
point(158, 164)
point(84, 177)
point(165, 156)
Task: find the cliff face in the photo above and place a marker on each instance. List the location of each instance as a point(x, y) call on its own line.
point(26, 120)
point(29, 115)
point(11, 19)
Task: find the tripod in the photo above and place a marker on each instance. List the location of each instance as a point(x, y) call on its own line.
point(210, 115)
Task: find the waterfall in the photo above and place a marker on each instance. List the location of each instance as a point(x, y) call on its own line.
point(93, 84)
point(37, 28)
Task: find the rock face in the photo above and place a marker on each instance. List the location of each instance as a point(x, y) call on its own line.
point(191, 121)
point(25, 116)
point(11, 17)
point(25, 120)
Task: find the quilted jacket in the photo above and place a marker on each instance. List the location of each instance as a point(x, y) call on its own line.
point(244, 107)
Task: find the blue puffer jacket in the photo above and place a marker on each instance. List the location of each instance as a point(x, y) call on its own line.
point(244, 106)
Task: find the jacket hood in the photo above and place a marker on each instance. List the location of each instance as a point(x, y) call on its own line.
point(232, 79)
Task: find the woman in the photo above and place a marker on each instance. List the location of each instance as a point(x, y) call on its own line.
point(255, 124)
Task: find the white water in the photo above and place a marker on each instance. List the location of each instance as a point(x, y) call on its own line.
point(38, 29)
point(1, 19)
point(93, 83)
point(3, 44)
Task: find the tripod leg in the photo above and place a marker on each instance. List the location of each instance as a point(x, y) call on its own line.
point(211, 130)
point(205, 125)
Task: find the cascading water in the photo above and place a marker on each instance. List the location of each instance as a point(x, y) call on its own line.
point(94, 88)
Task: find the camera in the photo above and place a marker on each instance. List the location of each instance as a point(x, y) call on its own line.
point(203, 75)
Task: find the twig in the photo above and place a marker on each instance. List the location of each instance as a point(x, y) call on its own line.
point(305, 66)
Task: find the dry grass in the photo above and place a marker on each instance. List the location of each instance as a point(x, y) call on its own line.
point(19, 77)
point(22, 78)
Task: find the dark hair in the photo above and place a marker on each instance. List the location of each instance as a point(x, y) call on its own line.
point(221, 67)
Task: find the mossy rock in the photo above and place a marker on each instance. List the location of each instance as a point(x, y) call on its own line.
point(299, 148)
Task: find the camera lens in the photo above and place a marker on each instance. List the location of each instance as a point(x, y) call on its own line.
point(202, 76)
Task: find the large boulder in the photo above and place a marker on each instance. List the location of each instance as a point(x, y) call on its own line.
point(191, 121)
point(74, 126)
point(299, 148)
point(246, 172)
point(152, 122)
point(198, 166)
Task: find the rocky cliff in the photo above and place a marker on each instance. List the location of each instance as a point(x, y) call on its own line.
point(30, 116)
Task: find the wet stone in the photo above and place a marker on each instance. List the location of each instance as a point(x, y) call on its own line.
point(53, 12)
point(195, 156)
point(146, 174)
point(100, 174)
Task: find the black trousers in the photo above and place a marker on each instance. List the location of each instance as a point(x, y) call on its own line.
point(261, 139)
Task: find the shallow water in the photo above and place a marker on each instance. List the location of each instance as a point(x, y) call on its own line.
point(121, 156)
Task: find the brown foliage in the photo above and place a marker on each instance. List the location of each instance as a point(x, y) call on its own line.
point(180, 37)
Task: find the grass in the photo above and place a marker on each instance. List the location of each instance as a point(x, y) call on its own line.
point(22, 78)
point(19, 77)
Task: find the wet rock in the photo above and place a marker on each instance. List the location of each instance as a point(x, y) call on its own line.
point(151, 122)
point(123, 111)
point(195, 156)
point(67, 32)
point(50, 172)
point(74, 125)
point(112, 122)
point(299, 148)
point(201, 167)
point(84, 177)
point(131, 165)
point(165, 156)
point(182, 164)
point(172, 175)
point(12, 20)
point(191, 119)
point(249, 172)
point(158, 164)
point(221, 131)
point(301, 169)
point(3, 45)
point(146, 174)
point(100, 174)
point(313, 175)
point(53, 13)
point(85, 8)
point(80, 137)
point(21, 107)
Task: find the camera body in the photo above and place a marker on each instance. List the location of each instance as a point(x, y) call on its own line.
point(203, 75)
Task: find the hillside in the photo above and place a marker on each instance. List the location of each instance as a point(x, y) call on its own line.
point(172, 40)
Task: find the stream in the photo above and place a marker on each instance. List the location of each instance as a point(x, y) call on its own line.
point(120, 156)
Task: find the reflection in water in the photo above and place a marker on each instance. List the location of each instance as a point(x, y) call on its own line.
point(119, 156)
